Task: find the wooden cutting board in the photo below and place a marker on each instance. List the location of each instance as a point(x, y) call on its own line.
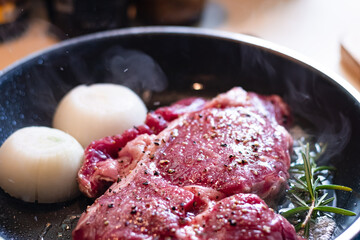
point(350, 52)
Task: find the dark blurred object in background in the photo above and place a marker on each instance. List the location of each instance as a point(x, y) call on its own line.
point(13, 18)
point(77, 17)
point(169, 12)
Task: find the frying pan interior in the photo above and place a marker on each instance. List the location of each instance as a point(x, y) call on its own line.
point(163, 65)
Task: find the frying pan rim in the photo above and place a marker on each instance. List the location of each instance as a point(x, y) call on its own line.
point(271, 47)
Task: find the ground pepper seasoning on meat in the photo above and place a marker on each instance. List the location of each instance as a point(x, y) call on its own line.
point(204, 159)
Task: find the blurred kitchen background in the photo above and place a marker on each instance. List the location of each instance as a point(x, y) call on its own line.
point(325, 31)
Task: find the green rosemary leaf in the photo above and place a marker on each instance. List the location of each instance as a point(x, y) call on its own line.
point(300, 183)
point(308, 173)
point(297, 167)
point(318, 202)
point(293, 211)
point(334, 187)
point(298, 227)
point(293, 172)
point(327, 201)
point(300, 201)
point(298, 188)
point(316, 183)
point(322, 168)
point(335, 210)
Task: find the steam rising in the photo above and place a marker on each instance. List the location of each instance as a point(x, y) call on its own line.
point(307, 96)
point(135, 70)
point(329, 126)
point(130, 68)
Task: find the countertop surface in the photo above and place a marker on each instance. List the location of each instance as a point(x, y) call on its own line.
point(313, 28)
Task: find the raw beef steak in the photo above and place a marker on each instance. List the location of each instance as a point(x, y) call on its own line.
point(143, 205)
point(188, 165)
point(101, 166)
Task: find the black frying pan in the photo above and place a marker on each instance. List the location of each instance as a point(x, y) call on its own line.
point(167, 63)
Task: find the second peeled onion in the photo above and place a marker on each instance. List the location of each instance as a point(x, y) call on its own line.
point(91, 112)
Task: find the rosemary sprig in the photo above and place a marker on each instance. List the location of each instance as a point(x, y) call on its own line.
point(306, 192)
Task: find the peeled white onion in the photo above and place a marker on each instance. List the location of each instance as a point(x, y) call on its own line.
point(91, 112)
point(40, 164)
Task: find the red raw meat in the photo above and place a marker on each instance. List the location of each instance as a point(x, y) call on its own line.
point(100, 167)
point(140, 206)
point(242, 216)
point(194, 159)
